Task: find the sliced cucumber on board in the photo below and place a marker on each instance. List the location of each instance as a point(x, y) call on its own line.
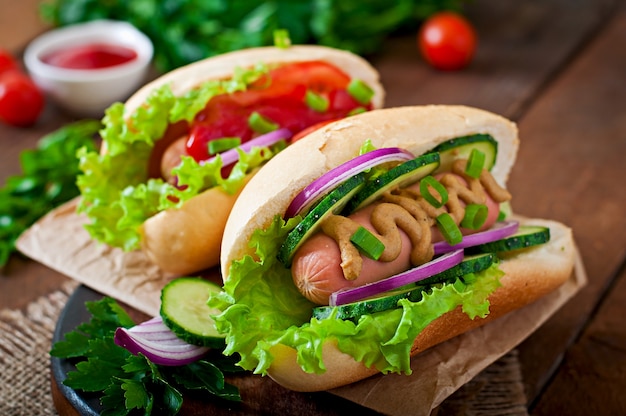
point(461, 148)
point(185, 311)
point(400, 176)
point(332, 203)
point(526, 236)
point(389, 300)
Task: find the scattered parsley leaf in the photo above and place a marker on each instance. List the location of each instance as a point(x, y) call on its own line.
point(185, 31)
point(131, 383)
point(47, 180)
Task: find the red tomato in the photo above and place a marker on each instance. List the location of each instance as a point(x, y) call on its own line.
point(447, 41)
point(7, 61)
point(21, 101)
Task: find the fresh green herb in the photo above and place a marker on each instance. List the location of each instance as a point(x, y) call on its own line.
point(128, 382)
point(475, 164)
point(282, 39)
point(185, 31)
point(367, 243)
point(475, 216)
point(316, 102)
point(261, 124)
point(225, 143)
point(425, 186)
point(47, 180)
point(449, 229)
point(360, 91)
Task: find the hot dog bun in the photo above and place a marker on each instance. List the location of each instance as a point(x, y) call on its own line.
point(188, 239)
point(529, 275)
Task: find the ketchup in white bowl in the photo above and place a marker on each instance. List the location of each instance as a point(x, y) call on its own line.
point(87, 67)
point(90, 56)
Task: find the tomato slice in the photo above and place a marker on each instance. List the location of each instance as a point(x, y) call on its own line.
point(280, 97)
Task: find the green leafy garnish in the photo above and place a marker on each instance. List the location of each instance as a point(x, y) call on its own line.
point(47, 180)
point(117, 193)
point(185, 31)
point(263, 308)
point(127, 382)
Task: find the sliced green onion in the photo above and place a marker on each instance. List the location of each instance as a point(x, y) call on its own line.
point(261, 124)
point(225, 143)
point(360, 91)
point(316, 102)
point(475, 164)
point(367, 243)
point(450, 231)
point(430, 182)
point(357, 110)
point(282, 39)
point(475, 216)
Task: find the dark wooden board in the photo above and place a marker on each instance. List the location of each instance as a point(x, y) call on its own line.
point(575, 136)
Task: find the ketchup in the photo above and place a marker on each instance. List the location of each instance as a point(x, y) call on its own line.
point(90, 56)
point(280, 100)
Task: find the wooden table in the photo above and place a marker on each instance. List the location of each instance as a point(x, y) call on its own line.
point(559, 71)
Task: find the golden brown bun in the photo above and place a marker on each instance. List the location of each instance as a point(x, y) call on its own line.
point(529, 275)
point(417, 129)
point(187, 240)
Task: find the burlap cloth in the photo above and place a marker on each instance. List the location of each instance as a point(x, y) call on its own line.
point(25, 337)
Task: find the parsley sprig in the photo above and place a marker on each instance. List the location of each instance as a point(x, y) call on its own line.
point(130, 383)
point(47, 179)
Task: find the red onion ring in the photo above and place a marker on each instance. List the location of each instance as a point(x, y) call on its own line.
point(158, 343)
point(416, 274)
point(325, 183)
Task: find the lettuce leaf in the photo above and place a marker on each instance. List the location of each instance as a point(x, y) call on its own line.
point(118, 196)
point(261, 308)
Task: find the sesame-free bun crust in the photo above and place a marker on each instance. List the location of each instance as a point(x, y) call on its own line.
point(188, 239)
point(529, 274)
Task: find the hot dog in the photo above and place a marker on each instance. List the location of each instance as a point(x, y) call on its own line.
point(157, 185)
point(278, 331)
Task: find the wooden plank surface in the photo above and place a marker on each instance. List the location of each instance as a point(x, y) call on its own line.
point(574, 142)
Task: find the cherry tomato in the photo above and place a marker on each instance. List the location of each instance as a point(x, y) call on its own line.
point(447, 41)
point(21, 101)
point(7, 61)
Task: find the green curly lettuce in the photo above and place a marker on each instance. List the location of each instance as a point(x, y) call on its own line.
point(262, 308)
point(117, 194)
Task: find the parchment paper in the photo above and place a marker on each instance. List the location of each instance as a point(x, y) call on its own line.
point(60, 242)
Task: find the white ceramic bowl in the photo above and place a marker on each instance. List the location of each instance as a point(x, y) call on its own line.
point(88, 92)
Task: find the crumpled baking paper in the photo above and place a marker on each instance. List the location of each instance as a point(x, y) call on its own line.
point(59, 241)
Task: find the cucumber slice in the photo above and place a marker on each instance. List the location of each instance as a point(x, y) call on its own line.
point(461, 148)
point(332, 203)
point(389, 300)
point(185, 311)
point(471, 264)
point(383, 302)
point(400, 176)
point(526, 236)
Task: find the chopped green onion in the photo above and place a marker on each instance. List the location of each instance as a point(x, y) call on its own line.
point(225, 143)
point(430, 182)
point(360, 91)
point(357, 110)
point(281, 38)
point(261, 124)
point(450, 231)
point(475, 164)
point(316, 102)
point(475, 216)
point(367, 243)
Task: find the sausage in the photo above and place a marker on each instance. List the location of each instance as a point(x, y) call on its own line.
point(171, 158)
point(316, 267)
